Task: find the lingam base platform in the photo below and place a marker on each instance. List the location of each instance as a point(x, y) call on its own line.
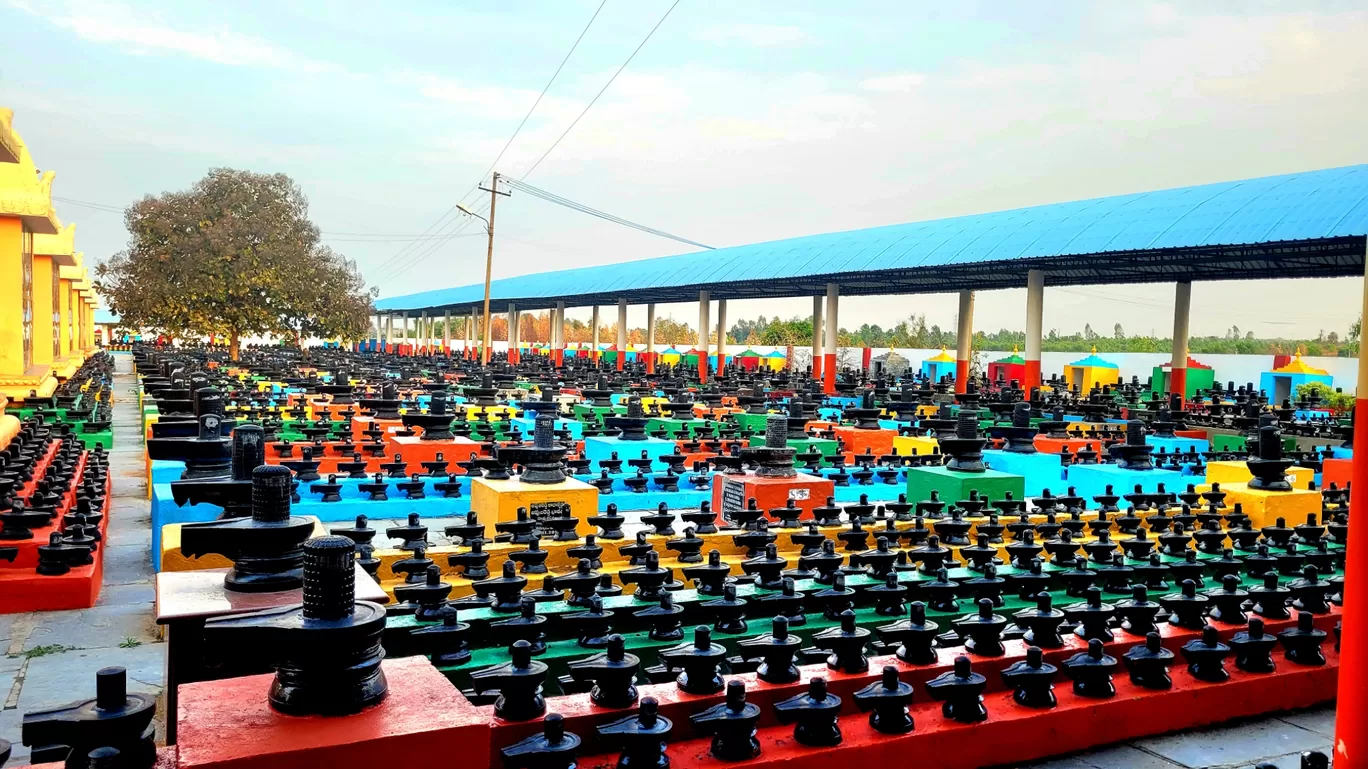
point(952, 485)
point(230, 725)
point(733, 492)
point(1264, 507)
point(1230, 473)
point(499, 501)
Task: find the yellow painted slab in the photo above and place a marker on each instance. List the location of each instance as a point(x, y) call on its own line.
point(499, 501)
point(1238, 472)
point(907, 445)
point(1265, 507)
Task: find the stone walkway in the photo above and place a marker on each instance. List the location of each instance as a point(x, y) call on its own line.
point(51, 657)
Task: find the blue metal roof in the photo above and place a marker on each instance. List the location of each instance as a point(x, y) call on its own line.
point(1309, 224)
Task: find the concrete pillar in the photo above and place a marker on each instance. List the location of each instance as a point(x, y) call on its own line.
point(594, 335)
point(703, 327)
point(389, 332)
point(622, 334)
point(1351, 715)
point(721, 336)
point(817, 338)
point(512, 333)
point(833, 324)
point(424, 335)
point(558, 326)
point(650, 338)
point(1035, 315)
point(446, 332)
point(472, 333)
point(964, 338)
point(1182, 304)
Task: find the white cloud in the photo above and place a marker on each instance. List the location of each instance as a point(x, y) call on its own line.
point(141, 34)
point(758, 35)
point(902, 82)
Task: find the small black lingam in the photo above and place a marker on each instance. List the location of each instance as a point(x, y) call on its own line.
point(114, 719)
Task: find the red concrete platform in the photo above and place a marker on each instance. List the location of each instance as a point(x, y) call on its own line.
point(1337, 471)
point(1056, 445)
point(361, 424)
point(230, 725)
point(415, 450)
point(807, 492)
point(1013, 735)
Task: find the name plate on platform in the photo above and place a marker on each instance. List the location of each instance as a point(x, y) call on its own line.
point(733, 495)
point(538, 511)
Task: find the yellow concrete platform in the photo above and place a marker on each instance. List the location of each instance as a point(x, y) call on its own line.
point(1226, 473)
point(907, 445)
point(1265, 507)
point(497, 501)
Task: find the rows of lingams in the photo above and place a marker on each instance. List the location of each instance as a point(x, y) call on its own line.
point(54, 487)
point(506, 639)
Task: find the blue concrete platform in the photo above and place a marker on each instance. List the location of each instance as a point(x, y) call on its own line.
point(1040, 470)
point(352, 504)
point(1091, 480)
point(598, 448)
point(527, 426)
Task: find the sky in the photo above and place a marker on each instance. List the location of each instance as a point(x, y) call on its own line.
point(734, 123)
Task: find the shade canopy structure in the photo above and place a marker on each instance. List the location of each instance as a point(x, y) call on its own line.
point(1300, 225)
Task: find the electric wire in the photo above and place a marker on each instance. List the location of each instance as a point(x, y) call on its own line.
point(550, 197)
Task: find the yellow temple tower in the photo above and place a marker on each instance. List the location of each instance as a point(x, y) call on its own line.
point(46, 299)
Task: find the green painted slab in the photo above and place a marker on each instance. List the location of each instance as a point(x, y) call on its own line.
point(921, 481)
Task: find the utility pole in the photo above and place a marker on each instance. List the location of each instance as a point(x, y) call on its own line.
point(494, 193)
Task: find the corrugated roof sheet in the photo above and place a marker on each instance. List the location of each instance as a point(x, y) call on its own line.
point(1294, 225)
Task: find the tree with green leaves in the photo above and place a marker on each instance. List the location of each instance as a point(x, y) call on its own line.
point(236, 255)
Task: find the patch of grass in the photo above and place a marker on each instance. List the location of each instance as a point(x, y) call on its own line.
point(129, 643)
point(45, 650)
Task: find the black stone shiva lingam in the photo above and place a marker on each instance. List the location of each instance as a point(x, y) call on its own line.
point(266, 548)
point(436, 423)
point(1269, 467)
point(775, 458)
point(544, 462)
point(114, 720)
point(965, 449)
point(1134, 454)
point(234, 493)
point(326, 651)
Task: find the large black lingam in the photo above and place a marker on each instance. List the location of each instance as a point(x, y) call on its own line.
point(113, 719)
point(1020, 436)
point(386, 406)
point(266, 548)
point(234, 493)
point(775, 458)
point(965, 449)
point(1269, 468)
point(436, 423)
point(326, 652)
point(209, 454)
point(631, 427)
point(1134, 454)
point(544, 462)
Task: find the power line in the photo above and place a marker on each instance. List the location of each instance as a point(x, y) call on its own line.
point(421, 239)
point(394, 259)
point(85, 204)
point(588, 106)
point(550, 197)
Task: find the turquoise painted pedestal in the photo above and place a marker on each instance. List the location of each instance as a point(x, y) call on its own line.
point(993, 484)
point(1091, 480)
point(598, 448)
point(1040, 470)
point(529, 425)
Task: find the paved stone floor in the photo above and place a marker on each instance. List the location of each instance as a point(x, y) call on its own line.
point(51, 657)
